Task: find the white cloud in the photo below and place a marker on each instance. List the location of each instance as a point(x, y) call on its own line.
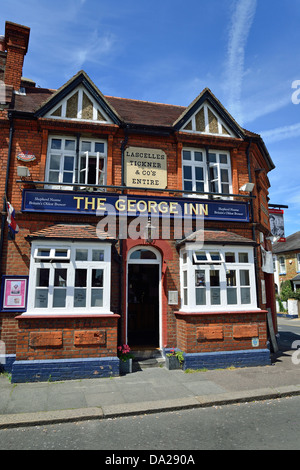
point(281, 133)
point(241, 23)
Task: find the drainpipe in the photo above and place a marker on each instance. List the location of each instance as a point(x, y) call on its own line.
point(121, 270)
point(253, 224)
point(4, 216)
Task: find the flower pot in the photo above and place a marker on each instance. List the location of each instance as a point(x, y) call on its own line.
point(293, 307)
point(126, 367)
point(172, 362)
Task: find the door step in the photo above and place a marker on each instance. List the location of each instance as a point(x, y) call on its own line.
point(146, 358)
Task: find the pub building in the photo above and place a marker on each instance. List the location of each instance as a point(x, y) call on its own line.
point(138, 223)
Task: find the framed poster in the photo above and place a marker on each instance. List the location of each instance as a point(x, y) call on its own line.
point(14, 293)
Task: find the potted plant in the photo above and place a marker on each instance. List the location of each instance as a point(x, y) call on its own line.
point(125, 356)
point(174, 359)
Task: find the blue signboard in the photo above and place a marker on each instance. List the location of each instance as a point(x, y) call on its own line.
point(71, 202)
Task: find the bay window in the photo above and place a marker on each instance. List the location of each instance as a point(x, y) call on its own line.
point(68, 164)
point(206, 173)
point(214, 278)
point(69, 278)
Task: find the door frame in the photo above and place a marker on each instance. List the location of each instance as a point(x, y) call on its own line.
point(157, 261)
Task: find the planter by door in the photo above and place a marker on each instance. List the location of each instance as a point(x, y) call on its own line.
point(172, 362)
point(293, 307)
point(126, 367)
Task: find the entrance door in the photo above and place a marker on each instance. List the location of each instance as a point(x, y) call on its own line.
point(143, 299)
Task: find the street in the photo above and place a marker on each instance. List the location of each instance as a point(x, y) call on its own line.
point(270, 424)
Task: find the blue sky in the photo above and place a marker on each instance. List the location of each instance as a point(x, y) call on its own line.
point(167, 51)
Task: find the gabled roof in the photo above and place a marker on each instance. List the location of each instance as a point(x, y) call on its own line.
point(207, 95)
point(81, 78)
point(292, 243)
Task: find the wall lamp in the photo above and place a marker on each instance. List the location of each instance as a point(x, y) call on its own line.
point(248, 187)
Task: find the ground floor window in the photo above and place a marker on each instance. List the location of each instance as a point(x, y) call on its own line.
point(214, 278)
point(69, 278)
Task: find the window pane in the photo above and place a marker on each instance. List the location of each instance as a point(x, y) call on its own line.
point(223, 158)
point(243, 258)
point(54, 162)
point(97, 278)
point(59, 298)
point(230, 278)
point(60, 277)
point(97, 298)
point(70, 145)
point(225, 188)
point(212, 157)
point(188, 186)
point(80, 298)
point(86, 146)
point(215, 256)
point(53, 176)
point(81, 255)
point(230, 257)
point(69, 164)
point(98, 255)
point(200, 278)
point(224, 176)
point(215, 297)
point(68, 178)
point(198, 156)
point(231, 296)
point(42, 277)
point(41, 298)
point(199, 187)
point(184, 278)
point(43, 252)
point(244, 277)
point(201, 256)
point(99, 147)
point(199, 173)
point(143, 254)
point(80, 277)
point(200, 296)
point(187, 172)
point(214, 278)
point(56, 144)
point(61, 253)
point(186, 155)
point(245, 295)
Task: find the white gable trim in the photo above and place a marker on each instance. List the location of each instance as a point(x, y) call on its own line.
point(98, 114)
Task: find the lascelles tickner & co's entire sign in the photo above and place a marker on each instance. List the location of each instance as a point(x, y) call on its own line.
point(145, 168)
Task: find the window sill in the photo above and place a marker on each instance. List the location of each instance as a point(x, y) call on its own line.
point(30, 315)
point(251, 310)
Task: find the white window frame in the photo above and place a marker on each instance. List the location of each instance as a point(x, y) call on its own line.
point(298, 262)
point(70, 264)
point(63, 153)
point(188, 269)
point(282, 265)
point(218, 166)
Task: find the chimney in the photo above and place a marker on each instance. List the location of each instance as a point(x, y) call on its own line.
point(16, 38)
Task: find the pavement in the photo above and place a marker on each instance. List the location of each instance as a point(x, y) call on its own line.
point(150, 390)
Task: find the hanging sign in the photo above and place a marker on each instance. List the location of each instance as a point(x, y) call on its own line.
point(277, 224)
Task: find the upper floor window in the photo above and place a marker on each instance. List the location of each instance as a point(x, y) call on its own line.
point(298, 262)
point(206, 121)
point(63, 167)
point(281, 261)
point(203, 173)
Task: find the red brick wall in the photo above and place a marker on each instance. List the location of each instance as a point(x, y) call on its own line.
point(66, 337)
point(210, 332)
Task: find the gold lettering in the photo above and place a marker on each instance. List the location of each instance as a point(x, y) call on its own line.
point(100, 204)
point(163, 207)
point(89, 203)
point(204, 209)
point(131, 205)
point(173, 208)
point(120, 205)
point(79, 198)
point(152, 205)
point(141, 209)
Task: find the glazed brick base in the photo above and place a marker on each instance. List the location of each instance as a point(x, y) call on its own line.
point(64, 369)
point(6, 362)
point(224, 359)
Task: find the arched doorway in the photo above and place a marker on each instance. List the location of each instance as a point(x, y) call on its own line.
point(143, 297)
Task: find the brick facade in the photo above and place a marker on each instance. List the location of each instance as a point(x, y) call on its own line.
point(25, 127)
